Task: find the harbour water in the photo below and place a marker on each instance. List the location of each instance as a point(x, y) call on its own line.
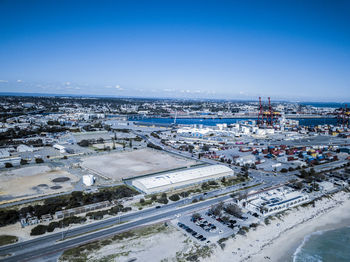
point(213, 122)
point(325, 246)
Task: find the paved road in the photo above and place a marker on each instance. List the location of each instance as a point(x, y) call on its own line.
point(30, 250)
point(48, 245)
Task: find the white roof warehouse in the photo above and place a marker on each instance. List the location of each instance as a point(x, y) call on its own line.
point(166, 181)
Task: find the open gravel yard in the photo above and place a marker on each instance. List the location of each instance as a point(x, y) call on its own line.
point(33, 181)
point(138, 162)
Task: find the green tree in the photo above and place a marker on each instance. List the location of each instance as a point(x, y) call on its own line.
point(38, 230)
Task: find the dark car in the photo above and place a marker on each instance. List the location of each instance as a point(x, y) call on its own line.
point(203, 239)
point(158, 206)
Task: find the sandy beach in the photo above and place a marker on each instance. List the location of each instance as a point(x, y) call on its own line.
point(278, 240)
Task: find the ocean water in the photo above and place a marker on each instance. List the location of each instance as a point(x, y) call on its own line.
point(323, 104)
point(325, 246)
point(213, 122)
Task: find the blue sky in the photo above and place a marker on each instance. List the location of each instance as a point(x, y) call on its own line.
point(297, 50)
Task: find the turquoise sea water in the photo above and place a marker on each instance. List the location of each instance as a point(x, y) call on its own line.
point(325, 246)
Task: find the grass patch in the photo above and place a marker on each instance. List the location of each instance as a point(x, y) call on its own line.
point(6, 240)
point(82, 253)
point(196, 254)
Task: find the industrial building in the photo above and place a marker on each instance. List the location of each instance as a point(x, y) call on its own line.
point(167, 181)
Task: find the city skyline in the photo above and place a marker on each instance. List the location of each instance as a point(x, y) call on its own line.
point(295, 51)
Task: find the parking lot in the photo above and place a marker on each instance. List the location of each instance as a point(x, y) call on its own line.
point(206, 227)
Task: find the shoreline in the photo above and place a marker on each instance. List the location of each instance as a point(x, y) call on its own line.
point(338, 222)
point(279, 240)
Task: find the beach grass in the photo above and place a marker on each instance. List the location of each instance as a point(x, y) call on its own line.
point(7, 239)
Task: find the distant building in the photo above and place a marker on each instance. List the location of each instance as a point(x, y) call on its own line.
point(24, 148)
point(14, 161)
point(246, 160)
point(4, 152)
point(62, 149)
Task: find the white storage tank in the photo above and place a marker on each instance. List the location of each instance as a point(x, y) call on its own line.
point(88, 180)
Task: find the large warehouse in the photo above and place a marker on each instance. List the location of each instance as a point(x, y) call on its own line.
point(166, 181)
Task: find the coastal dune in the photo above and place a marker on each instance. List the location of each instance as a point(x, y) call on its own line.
point(280, 237)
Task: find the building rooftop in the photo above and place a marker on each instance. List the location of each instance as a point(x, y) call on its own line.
point(183, 175)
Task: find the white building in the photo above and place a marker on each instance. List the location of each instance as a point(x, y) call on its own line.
point(4, 152)
point(246, 160)
point(62, 149)
point(14, 161)
point(24, 148)
point(167, 181)
point(88, 180)
point(276, 200)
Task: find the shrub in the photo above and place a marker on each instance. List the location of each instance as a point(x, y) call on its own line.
point(38, 230)
point(39, 160)
point(174, 197)
point(163, 200)
point(51, 227)
point(8, 165)
point(84, 143)
point(24, 162)
point(154, 197)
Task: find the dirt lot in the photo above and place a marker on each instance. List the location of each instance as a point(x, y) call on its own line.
point(138, 162)
point(33, 181)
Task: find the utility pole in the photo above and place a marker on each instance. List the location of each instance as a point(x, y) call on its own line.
point(175, 118)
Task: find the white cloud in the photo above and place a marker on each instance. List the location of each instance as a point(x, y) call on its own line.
point(4, 81)
point(169, 90)
point(19, 81)
point(67, 83)
point(118, 88)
